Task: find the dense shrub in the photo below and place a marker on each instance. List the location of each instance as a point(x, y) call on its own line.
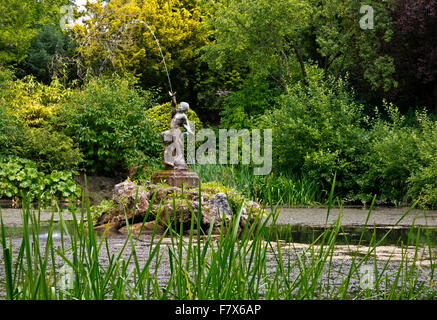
point(392, 156)
point(27, 111)
point(107, 118)
point(33, 102)
point(254, 97)
point(318, 129)
point(277, 187)
point(423, 182)
point(10, 131)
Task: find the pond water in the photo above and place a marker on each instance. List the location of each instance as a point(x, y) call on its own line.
point(356, 216)
point(17, 231)
point(301, 225)
point(357, 235)
point(305, 225)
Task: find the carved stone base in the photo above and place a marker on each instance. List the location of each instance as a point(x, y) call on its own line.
point(175, 178)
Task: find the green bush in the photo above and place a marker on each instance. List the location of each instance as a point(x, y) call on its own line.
point(10, 131)
point(392, 156)
point(107, 118)
point(20, 177)
point(253, 99)
point(48, 54)
point(27, 111)
point(318, 129)
point(423, 182)
point(50, 150)
point(34, 103)
point(10, 126)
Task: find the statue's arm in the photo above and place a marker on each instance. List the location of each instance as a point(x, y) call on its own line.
point(173, 103)
point(187, 125)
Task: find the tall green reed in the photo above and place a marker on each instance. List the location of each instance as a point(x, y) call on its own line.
point(279, 188)
point(236, 263)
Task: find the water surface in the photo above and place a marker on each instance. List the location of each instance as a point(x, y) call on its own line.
point(301, 225)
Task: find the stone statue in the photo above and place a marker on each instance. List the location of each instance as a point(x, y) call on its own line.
point(176, 171)
point(172, 138)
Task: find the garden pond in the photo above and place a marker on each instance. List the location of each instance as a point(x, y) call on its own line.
point(295, 235)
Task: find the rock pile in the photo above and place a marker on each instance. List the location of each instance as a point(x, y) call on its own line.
point(151, 208)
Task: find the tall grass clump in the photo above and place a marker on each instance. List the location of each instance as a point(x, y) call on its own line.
point(278, 188)
point(236, 263)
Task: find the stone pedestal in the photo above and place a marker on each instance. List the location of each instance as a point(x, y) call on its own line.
point(176, 177)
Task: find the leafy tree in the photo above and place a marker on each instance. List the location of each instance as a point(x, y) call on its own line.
point(21, 20)
point(262, 34)
point(341, 45)
point(414, 49)
point(49, 54)
point(115, 38)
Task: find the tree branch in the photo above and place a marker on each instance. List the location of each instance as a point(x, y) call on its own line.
point(301, 62)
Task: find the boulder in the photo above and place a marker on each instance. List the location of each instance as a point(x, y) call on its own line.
point(125, 194)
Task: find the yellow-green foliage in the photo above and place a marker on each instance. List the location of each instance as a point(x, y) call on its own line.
point(177, 25)
point(32, 101)
point(160, 117)
point(216, 187)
